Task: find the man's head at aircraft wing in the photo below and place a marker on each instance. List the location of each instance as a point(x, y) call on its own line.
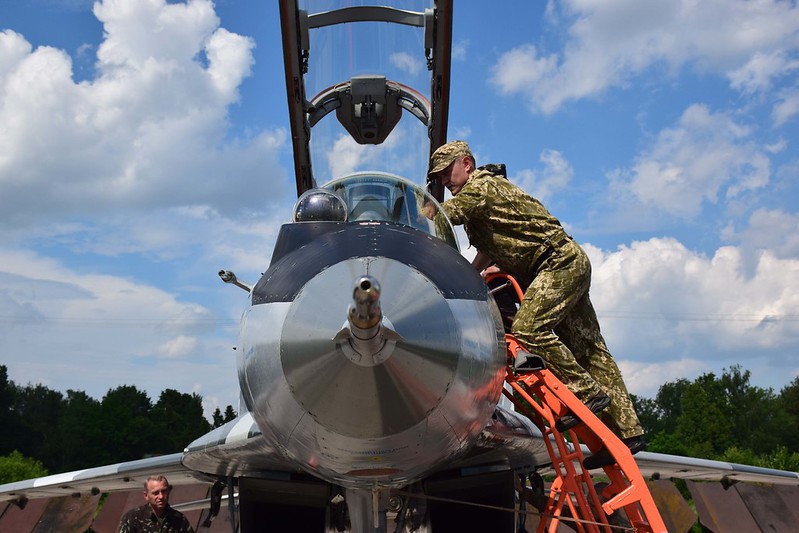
point(156, 492)
point(446, 154)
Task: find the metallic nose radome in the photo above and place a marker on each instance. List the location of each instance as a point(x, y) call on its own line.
point(351, 382)
point(366, 341)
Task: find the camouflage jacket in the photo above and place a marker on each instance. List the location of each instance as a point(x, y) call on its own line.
point(505, 223)
point(143, 520)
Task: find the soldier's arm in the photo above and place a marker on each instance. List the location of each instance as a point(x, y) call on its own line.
point(481, 261)
point(124, 526)
point(465, 204)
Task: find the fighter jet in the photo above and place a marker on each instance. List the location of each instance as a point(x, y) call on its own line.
point(371, 355)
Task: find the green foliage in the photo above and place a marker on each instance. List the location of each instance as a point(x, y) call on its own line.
point(789, 403)
point(15, 466)
point(219, 419)
point(126, 430)
point(9, 419)
point(177, 419)
point(780, 458)
point(649, 414)
point(38, 410)
point(79, 426)
point(756, 416)
point(216, 418)
point(724, 418)
point(669, 403)
point(77, 431)
point(664, 442)
point(703, 425)
point(734, 454)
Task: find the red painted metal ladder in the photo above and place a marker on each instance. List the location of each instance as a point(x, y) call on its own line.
point(539, 395)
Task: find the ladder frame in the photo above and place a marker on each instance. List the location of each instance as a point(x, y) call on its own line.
point(539, 395)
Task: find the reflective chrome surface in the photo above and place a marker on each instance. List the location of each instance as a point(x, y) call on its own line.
point(422, 397)
point(319, 205)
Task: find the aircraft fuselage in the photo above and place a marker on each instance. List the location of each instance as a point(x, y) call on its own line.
point(381, 410)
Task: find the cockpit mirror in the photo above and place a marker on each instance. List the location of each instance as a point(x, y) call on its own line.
point(319, 205)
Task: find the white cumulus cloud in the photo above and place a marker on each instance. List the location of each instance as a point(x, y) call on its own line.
point(705, 156)
point(609, 43)
point(148, 129)
point(406, 63)
point(542, 183)
point(662, 298)
point(178, 348)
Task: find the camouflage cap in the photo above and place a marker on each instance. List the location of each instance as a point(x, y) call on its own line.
point(446, 154)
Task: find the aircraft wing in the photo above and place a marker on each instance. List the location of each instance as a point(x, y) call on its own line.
point(664, 466)
point(234, 448)
point(118, 477)
point(508, 438)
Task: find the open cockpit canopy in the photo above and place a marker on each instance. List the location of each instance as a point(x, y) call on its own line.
point(371, 66)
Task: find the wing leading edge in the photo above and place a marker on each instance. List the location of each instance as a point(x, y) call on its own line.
point(110, 478)
point(664, 466)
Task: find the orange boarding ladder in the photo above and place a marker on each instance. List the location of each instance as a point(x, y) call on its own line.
point(539, 395)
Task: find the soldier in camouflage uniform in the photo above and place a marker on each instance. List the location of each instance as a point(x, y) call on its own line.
point(155, 516)
point(556, 320)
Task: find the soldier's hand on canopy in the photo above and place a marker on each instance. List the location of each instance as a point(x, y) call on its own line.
point(430, 210)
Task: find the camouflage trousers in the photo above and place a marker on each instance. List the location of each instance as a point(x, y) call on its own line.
point(557, 321)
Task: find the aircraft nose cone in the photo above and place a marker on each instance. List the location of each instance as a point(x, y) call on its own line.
point(398, 391)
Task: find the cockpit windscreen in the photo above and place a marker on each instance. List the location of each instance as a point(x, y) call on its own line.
point(384, 197)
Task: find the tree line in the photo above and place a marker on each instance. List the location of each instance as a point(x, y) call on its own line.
point(712, 417)
point(55, 432)
point(724, 418)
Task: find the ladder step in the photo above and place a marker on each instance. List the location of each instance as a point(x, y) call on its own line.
point(540, 396)
point(544, 400)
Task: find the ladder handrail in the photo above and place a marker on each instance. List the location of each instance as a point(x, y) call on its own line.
point(543, 398)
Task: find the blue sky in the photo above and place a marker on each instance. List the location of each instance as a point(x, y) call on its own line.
point(145, 145)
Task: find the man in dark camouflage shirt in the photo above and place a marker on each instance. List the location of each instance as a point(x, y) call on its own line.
point(556, 320)
point(155, 516)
